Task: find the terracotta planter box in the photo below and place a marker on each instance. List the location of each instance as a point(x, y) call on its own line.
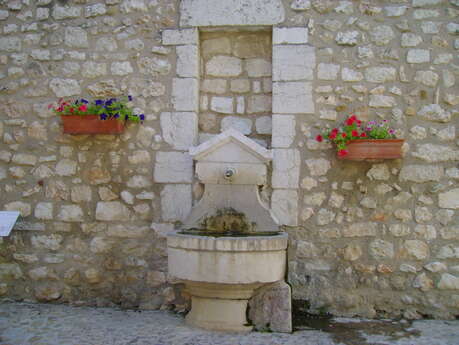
point(91, 124)
point(364, 149)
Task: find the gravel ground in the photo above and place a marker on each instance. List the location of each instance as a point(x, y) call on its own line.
point(24, 324)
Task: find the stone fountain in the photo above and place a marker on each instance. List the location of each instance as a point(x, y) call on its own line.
point(230, 244)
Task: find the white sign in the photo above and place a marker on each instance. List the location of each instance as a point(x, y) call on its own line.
point(7, 221)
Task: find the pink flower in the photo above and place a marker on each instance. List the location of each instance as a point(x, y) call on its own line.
point(83, 108)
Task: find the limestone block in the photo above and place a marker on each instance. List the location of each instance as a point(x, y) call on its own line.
point(44, 210)
point(66, 12)
point(240, 124)
point(421, 173)
point(448, 282)
point(293, 62)
point(426, 3)
point(75, 37)
point(217, 86)
point(380, 74)
point(427, 78)
point(286, 168)
point(24, 159)
point(418, 56)
point(222, 105)
point(347, 38)
point(240, 85)
point(175, 202)
point(20, 206)
point(283, 132)
point(121, 68)
point(10, 44)
point(395, 11)
point(368, 229)
point(292, 98)
point(382, 101)
point(382, 35)
point(434, 112)
point(327, 71)
point(65, 87)
point(435, 153)
point(415, 249)
point(70, 213)
point(128, 6)
point(220, 45)
point(181, 36)
point(284, 205)
point(449, 199)
point(185, 94)
point(257, 68)
point(379, 172)
point(410, 39)
point(81, 194)
point(270, 308)
point(95, 10)
point(100, 245)
point(300, 5)
point(259, 104)
point(318, 166)
point(153, 66)
point(127, 231)
point(112, 211)
point(224, 66)
point(139, 181)
point(423, 282)
point(351, 75)
point(263, 125)
point(173, 167)
point(291, 35)
point(188, 61)
point(380, 249)
point(231, 12)
point(66, 167)
point(180, 129)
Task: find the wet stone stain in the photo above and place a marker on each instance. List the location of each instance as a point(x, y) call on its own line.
point(349, 331)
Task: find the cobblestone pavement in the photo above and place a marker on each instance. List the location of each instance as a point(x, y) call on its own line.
point(23, 324)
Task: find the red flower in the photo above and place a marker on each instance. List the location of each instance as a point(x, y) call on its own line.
point(71, 110)
point(353, 117)
point(83, 108)
point(359, 123)
point(61, 108)
point(344, 135)
point(355, 133)
point(332, 135)
point(363, 135)
point(342, 152)
point(319, 138)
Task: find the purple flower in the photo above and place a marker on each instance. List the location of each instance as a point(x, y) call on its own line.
point(109, 102)
point(99, 102)
point(116, 116)
point(391, 131)
point(84, 101)
point(130, 98)
point(142, 117)
point(126, 117)
point(103, 116)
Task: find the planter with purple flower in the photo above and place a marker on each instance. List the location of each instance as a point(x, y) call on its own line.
point(96, 117)
point(373, 141)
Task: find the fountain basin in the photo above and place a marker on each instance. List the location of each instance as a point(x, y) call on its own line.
point(221, 273)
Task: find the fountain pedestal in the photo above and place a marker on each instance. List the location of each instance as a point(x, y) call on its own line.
point(221, 273)
point(220, 269)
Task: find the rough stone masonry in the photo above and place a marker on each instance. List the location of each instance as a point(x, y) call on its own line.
point(374, 239)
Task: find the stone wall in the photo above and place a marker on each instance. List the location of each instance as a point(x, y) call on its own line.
point(236, 84)
point(370, 239)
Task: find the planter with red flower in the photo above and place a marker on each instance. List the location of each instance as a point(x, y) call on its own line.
point(355, 141)
point(95, 117)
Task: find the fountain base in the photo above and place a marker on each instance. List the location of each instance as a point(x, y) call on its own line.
point(221, 274)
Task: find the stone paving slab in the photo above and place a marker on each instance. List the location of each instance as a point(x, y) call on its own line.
point(40, 324)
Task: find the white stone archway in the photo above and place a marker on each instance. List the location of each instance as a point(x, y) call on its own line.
point(293, 64)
